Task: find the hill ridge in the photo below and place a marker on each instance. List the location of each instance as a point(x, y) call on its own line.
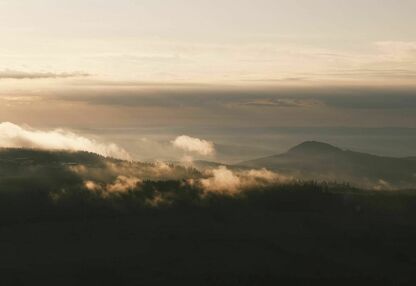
point(313, 146)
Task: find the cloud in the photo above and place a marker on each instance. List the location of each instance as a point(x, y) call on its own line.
point(109, 171)
point(229, 101)
point(282, 102)
point(191, 144)
point(114, 178)
point(283, 79)
point(15, 136)
point(232, 182)
point(222, 180)
point(12, 74)
point(123, 184)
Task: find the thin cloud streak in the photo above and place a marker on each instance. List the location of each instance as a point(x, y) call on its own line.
point(14, 74)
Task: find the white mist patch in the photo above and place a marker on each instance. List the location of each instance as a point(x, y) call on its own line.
point(382, 185)
point(191, 144)
point(222, 180)
point(122, 184)
point(15, 136)
point(227, 181)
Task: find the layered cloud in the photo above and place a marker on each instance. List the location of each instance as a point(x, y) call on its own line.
point(15, 136)
point(195, 145)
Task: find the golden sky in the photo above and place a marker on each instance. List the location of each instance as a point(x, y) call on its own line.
point(210, 41)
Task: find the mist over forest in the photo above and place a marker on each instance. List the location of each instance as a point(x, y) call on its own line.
point(87, 218)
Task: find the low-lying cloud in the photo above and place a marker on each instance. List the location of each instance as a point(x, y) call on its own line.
point(15, 136)
point(110, 172)
point(223, 180)
point(116, 178)
point(195, 145)
point(228, 181)
point(122, 184)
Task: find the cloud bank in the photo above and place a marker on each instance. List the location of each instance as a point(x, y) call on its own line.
point(191, 144)
point(15, 136)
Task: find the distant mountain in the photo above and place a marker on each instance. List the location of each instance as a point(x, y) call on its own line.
point(321, 161)
point(310, 147)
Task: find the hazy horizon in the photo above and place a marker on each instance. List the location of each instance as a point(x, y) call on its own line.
point(253, 78)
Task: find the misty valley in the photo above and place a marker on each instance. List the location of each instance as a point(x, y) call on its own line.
point(207, 143)
point(315, 214)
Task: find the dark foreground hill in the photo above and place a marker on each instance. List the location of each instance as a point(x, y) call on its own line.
point(321, 161)
point(57, 230)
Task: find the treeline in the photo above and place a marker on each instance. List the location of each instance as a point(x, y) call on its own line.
point(65, 196)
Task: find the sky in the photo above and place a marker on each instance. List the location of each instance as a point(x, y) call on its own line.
point(134, 72)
